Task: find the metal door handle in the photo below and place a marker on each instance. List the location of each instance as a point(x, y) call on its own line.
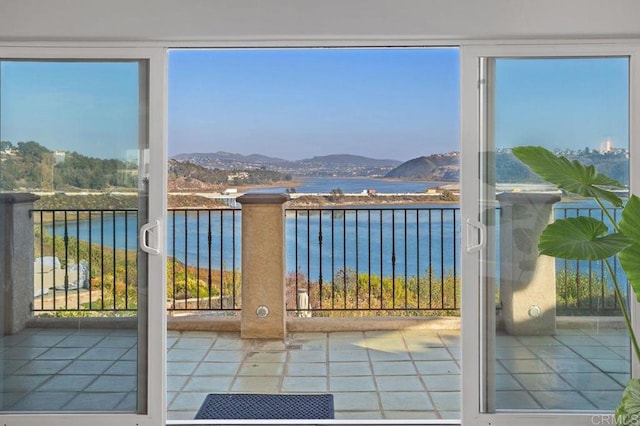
point(474, 225)
point(144, 232)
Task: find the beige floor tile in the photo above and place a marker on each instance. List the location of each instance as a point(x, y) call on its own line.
point(349, 369)
point(261, 357)
point(304, 384)
point(261, 369)
point(356, 401)
point(351, 384)
point(306, 369)
point(306, 356)
point(405, 401)
point(256, 384)
point(399, 383)
point(348, 355)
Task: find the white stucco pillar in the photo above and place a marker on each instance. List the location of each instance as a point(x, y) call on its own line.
point(527, 280)
point(16, 260)
point(263, 266)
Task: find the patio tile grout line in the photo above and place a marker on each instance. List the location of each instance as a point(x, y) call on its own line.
point(375, 381)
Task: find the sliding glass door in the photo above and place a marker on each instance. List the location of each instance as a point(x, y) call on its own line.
point(82, 208)
point(552, 341)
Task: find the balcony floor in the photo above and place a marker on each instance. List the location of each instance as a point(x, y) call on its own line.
point(372, 375)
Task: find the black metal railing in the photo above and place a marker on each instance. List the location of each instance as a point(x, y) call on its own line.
point(584, 287)
point(85, 260)
point(373, 259)
point(203, 259)
point(356, 259)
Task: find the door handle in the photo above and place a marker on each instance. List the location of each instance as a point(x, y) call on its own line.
point(145, 232)
point(474, 225)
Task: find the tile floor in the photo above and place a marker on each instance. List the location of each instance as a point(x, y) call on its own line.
point(372, 375)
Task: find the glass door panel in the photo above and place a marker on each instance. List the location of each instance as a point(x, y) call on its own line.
point(556, 339)
point(74, 192)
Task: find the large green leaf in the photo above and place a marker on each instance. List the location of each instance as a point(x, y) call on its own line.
point(581, 238)
point(630, 257)
point(628, 411)
point(630, 262)
point(630, 222)
point(571, 176)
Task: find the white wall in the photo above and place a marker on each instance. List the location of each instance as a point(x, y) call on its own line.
point(219, 20)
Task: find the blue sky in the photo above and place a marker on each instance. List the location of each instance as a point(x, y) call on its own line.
point(299, 103)
point(91, 108)
point(572, 103)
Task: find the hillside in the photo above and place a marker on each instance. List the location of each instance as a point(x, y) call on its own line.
point(30, 166)
point(435, 168)
point(345, 165)
point(613, 164)
point(184, 176)
point(328, 165)
point(230, 161)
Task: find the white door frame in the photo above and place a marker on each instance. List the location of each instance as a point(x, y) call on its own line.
point(157, 156)
point(474, 105)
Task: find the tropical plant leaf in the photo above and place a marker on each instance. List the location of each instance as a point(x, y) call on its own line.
point(630, 222)
point(581, 238)
point(630, 262)
point(628, 411)
point(571, 176)
point(630, 256)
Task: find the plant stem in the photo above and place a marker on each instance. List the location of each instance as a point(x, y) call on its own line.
point(606, 212)
point(623, 308)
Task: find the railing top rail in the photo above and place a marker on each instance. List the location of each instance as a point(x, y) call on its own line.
point(202, 209)
point(83, 210)
point(365, 208)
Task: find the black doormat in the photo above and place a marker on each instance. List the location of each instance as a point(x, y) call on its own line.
point(266, 406)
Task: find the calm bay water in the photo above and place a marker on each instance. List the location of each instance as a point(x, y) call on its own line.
point(417, 237)
point(354, 185)
point(363, 239)
point(357, 239)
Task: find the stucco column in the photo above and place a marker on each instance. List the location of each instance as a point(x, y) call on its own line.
point(527, 280)
point(263, 266)
point(16, 260)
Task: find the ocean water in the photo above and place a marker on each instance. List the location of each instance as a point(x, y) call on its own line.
point(385, 241)
point(399, 241)
point(354, 185)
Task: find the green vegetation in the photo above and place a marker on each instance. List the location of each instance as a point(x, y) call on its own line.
point(188, 175)
point(614, 164)
point(29, 165)
point(192, 288)
point(434, 168)
point(368, 295)
point(584, 294)
point(587, 238)
point(113, 275)
point(113, 282)
point(87, 202)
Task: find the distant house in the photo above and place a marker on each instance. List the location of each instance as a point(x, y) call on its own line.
point(59, 156)
point(239, 176)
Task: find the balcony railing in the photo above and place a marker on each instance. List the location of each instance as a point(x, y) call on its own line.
point(86, 260)
point(367, 260)
point(204, 259)
point(374, 259)
point(583, 286)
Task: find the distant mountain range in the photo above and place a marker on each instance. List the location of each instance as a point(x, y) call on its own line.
point(437, 168)
point(328, 165)
point(434, 168)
